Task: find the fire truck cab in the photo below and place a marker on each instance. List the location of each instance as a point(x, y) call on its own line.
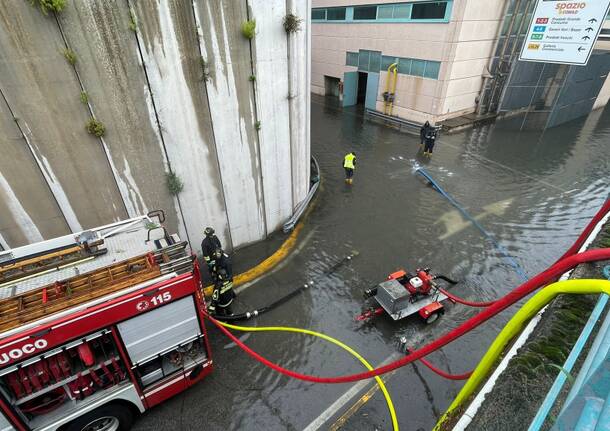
point(99, 326)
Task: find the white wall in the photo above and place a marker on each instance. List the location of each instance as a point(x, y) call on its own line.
point(463, 46)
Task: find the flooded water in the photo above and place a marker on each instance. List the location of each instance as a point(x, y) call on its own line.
point(532, 191)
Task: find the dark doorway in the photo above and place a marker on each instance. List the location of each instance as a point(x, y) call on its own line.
point(331, 86)
point(362, 78)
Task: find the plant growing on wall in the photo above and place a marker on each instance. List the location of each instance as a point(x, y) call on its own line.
point(70, 56)
point(257, 125)
point(84, 97)
point(292, 23)
point(50, 5)
point(252, 78)
point(95, 127)
point(248, 29)
point(205, 72)
point(174, 183)
point(133, 24)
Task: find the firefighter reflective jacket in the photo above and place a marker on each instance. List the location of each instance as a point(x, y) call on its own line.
point(349, 161)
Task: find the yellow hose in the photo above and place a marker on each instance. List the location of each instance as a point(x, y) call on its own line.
point(345, 347)
point(515, 326)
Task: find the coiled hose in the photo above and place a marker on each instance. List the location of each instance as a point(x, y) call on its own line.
point(386, 394)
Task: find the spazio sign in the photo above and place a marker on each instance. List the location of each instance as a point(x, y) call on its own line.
point(564, 31)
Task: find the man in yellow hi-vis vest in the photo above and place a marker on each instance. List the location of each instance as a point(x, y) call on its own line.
point(349, 164)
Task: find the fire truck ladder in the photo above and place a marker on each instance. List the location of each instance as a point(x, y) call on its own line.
point(35, 304)
point(174, 258)
point(31, 266)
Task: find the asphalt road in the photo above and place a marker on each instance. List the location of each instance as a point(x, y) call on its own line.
point(532, 191)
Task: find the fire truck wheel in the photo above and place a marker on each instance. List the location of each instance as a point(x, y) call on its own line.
point(111, 417)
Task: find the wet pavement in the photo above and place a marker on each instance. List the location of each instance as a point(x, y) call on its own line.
point(533, 191)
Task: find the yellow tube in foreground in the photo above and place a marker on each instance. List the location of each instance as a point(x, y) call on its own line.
point(345, 347)
point(515, 326)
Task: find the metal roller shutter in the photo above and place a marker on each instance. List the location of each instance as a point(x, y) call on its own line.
point(159, 330)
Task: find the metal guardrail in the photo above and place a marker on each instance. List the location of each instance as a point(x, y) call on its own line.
point(400, 123)
point(392, 119)
point(300, 208)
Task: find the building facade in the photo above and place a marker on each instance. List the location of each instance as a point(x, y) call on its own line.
point(448, 56)
point(193, 116)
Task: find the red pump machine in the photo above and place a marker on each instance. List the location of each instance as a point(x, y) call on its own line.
point(404, 294)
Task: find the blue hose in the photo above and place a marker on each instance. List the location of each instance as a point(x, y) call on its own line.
point(511, 261)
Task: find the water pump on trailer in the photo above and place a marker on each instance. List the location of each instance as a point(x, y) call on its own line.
point(404, 294)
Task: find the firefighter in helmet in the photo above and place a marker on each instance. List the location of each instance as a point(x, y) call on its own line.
point(208, 246)
point(223, 295)
point(222, 261)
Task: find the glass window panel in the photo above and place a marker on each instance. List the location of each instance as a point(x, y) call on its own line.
point(385, 12)
point(352, 59)
point(375, 61)
point(387, 61)
point(363, 60)
point(365, 12)
point(318, 14)
point(516, 24)
point(335, 14)
point(432, 69)
point(525, 27)
point(435, 10)
point(404, 66)
point(402, 11)
point(511, 43)
point(418, 67)
point(500, 47)
point(505, 25)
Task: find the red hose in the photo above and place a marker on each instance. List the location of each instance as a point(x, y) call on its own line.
point(571, 251)
point(587, 231)
point(464, 301)
point(443, 373)
point(517, 294)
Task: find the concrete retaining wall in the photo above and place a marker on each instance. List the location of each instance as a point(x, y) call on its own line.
point(140, 65)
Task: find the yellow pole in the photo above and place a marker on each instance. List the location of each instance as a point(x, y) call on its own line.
point(395, 71)
point(387, 86)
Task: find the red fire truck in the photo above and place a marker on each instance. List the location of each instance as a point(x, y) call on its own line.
point(98, 327)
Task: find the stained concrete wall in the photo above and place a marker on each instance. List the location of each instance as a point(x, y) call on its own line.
point(28, 211)
point(42, 90)
point(163, 109)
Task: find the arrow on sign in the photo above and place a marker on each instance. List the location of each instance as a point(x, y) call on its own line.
point(580, 48)
point(589, 29)
point(592, 20)
point(586, 37)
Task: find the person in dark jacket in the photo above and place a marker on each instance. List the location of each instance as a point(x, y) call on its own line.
point(422, 132)
point(208, 246)
point(430, 140)
point(223, 295)
point(222, 261)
